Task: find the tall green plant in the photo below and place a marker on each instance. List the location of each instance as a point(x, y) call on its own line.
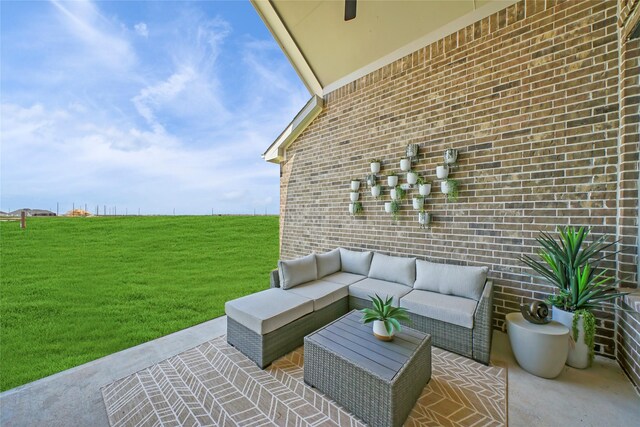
point(572, 265)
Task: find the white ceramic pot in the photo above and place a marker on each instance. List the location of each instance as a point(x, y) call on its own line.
point(387, 207)
point(418, 203)
point(351, 208)
point(405, 164)
point(442, 172)
point(355, 185)
point(424, 189)
point(450, 156)
point(380, 331)
point(375, 191)
point(578, 350)
point(412, 178)
point(354, 196)
point(423, 218)
point(375, 167)
point(445, 187)
point(394, 194)
point(392, 181)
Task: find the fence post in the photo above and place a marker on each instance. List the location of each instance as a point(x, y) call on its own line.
point(23, 219)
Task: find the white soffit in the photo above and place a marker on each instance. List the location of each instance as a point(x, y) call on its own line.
point(329, 52)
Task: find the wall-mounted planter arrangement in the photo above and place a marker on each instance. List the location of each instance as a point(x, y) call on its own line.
point(375, 166)
point(354, 195)
point(355, 185)
point(449, 187)
point(392, 180)
point(418, 202)
point(442, 172)
point(375, 190)
point(412, 177)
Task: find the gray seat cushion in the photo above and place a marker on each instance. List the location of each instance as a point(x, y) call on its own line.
point(446, 308)
point(393, 269)
point(344, 278)
point(297, 271)
point(328, 263)
point(355, 262)
point(370, 287)
point(321, 292)
point(266, 311)
point(458, 280)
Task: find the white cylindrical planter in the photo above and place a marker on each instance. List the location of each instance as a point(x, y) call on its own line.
point(450, 156)
point(355, 185)
point(351, 208)
point(424, 189)
point(578, 350)
point(540, 349)
point(418, 203)
point(375, 167)
point(394, 194)
point(423, 218)
point(442, 172)
point(405, 164)
point(445, 187)
point(380, 331)
point(392, 181)
point(387, 207)
point(354, 196)
point(412, 178)
point(375, 191)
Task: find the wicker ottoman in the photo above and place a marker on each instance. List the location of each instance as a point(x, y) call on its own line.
point(377, 381)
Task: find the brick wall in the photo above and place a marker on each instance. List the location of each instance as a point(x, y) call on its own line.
point(530, 98)
point(628, 332)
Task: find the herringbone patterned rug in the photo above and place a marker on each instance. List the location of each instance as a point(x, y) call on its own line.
point(214, 384)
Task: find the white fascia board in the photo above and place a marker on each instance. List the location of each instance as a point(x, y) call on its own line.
point(281, 34)
point(447, 29)
point(275, 152)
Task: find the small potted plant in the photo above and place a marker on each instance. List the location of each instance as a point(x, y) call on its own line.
point(423, 218)
point(442, 171)
point(395, 209)
point(397, 193)
point(418, 202)
point(355, 208)
point(392, 179)
point(355, 184)
point(375, 165)
point(354, 195)
point(424, 187)
point(405, 164)
point(412, 177)
point(386, 318)
point(375, 190)
point(450, 188)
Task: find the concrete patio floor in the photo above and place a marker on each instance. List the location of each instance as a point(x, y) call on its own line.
point(599, 396)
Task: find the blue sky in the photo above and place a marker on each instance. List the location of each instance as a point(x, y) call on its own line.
point(150, 105)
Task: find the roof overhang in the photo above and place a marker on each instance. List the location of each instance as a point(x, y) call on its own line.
point(275, 152)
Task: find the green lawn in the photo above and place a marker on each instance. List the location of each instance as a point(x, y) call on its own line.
point(76, 289)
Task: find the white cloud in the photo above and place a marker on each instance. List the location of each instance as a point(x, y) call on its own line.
point(141, 29)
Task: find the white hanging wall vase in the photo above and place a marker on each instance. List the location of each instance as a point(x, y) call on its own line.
point(355, 185)
point(445, 187)
point(450, 156)
point(442, 172)
point(405, 164)
point(423, 218)
point(375, 167)
point(354, 196)
point(394, 194)
point(424, 189)
point(392, 181)
point(412, 178)
point(387, 207)
point(351, 208)
point(375, 191)
point(418, 203)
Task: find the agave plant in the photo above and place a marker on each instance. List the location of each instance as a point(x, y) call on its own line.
point(572, 265)
point(383, 310)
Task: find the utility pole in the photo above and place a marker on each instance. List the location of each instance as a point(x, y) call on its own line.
point(105, 210)
point(138, 211)
point(57, 208)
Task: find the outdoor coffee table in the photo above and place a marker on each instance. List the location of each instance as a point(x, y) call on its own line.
point(377, 381)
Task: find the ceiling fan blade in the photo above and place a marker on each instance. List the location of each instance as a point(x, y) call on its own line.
point(349, 9)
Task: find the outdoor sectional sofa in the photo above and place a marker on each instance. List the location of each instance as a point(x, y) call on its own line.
point(451, 303)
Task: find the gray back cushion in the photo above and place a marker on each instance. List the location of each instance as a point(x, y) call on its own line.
point(328, 263)
point(461, 281)
point(297, 271)
point(355, 262)
point(393, 269)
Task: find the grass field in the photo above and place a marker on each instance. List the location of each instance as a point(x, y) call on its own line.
point(76, 289)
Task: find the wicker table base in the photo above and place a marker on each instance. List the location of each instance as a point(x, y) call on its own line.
point(377, 381)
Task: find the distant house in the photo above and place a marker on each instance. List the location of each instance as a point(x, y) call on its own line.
point(31, 212)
